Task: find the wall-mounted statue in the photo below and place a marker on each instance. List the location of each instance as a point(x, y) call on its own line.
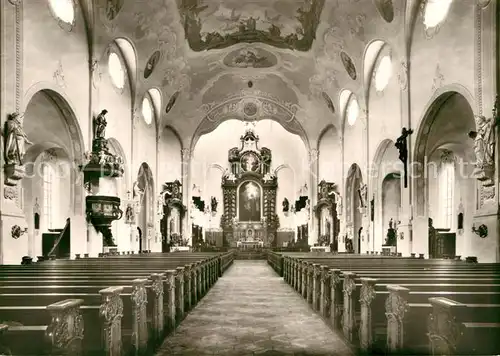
point(484, 146)
point(213, 204)
point(363, 195)
point(100, 124)
point(286, 205)
point(15, 140)
point(129, 214)
point(137, 191)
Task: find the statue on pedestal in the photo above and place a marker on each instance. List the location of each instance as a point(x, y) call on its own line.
point(100, 124)
point(213, 204)
point(484, 146)
point(14, 140)
point(286, 205)
point(391, 238)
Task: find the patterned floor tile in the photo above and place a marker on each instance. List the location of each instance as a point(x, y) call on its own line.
point(252, 311)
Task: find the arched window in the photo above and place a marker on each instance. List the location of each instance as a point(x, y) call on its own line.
point(116, 70)
point(446, 191)
point(383, 73)
point(48, 183)
point(352, 111)
point(147, 109)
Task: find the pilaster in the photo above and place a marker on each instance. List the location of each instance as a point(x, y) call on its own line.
point(313, 195)
point(186, 193)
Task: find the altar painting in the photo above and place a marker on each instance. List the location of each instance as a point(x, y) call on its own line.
point(249, 202)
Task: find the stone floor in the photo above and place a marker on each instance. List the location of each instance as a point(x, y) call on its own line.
point(252, 311)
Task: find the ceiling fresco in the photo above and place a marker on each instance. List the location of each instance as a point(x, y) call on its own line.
point(250, 58)
point(216, 24)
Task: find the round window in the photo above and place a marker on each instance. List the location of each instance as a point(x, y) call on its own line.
point(383, 73)
point(116, 70)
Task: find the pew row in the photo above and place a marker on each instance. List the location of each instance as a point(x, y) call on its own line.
point(391, 312)
point(96, 317)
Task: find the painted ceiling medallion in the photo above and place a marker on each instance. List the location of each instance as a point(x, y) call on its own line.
point(172, 101)
point(386, 9)
point(250, 58)
point(151, 64)
point(281, 23)
point(348, 65)
point(250, 109)
point(112, 9)
point(328, 102)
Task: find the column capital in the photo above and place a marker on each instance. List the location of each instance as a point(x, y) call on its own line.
point(185, 154)
point(313, 154)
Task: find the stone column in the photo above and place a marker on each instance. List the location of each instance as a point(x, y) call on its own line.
point(366, 327)
point(111, 311)
point(171, 300)
point(139, 298)
point(66, 328)
point(310, 283)
point(396, 306)
point(324, 306)
point(348, 320)
point(335, 297)
point(313, 195)
point(157, 286)
point(316, 275)
point(186, 193)
point(179, 294)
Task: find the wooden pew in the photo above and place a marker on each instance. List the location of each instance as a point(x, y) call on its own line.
point(123, 302)
point(313, 281)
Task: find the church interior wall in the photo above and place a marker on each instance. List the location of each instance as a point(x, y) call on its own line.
point(330, 160)
point(62, 62)
point(169, 157)
point(444, 58)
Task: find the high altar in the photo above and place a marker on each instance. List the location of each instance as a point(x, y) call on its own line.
point(249, 190)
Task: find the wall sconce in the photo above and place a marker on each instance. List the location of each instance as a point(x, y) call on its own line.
point(16, 231)
point(481, 231)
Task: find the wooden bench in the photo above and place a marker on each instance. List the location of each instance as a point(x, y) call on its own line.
point(350, 299)
point(124, 297)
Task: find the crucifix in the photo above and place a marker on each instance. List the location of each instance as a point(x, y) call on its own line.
point(402, 146)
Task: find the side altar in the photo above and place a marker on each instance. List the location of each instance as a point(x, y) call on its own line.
point(249, 190)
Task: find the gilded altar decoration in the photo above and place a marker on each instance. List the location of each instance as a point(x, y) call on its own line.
point(249, 195)
point(484, 146)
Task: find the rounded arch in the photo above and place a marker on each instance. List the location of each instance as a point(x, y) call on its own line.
point(354, 223)
point(175, 132)
point(423, 143)
point(374, 51)
point(75, 143)
point(208, 125)
point(157, 100)
point(146, 222)
point(128, 54)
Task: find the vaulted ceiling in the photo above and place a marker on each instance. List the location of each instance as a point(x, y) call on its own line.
point(290, 57)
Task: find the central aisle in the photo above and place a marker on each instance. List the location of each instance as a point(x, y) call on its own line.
point(252, 311)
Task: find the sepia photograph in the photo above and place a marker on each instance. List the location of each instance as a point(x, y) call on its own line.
point(250, 177)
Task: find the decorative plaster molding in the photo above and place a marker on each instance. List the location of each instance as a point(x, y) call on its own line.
point(237, 104)
point(185, 154)
point(483, 3)
point(58, 75)
point(403, 75)
point(15, 2)
point(478, 60)
point(438, 80)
